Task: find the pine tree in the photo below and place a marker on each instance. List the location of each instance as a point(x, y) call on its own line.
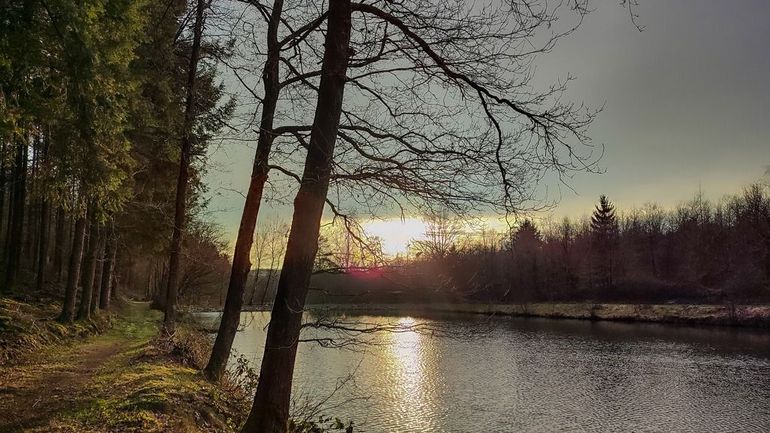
point(526, 246)
point(604, 227)
point(527, 238)
point(603, 220)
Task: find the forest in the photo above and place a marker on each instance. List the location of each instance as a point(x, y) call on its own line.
point(93, 110)
point(111, 110)
point(700, 252)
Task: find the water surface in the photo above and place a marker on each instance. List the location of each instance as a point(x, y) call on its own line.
point(503, 374)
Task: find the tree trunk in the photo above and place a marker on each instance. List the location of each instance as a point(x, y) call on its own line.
point(44, 219)
point(42, 248)
point(89, 268)
point(33, 211)
point(114, 286)
point(107, 269)
point(270, 411)
point(128, 266)
point(2, 193)
point(241, 262)
point(76, 257)
point(59, 241)
point(16, 219)
point(270, 274)
point(253, 298)
point(184, 170)
point(98, 267)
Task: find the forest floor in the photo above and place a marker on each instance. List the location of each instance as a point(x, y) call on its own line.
point(127, 379)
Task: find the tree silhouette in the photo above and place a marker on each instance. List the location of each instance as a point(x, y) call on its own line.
point(441, 236)
point(526, 245)
point(604, 228)
point(527, 238)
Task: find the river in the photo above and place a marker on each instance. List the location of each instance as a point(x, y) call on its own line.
point(504, 374)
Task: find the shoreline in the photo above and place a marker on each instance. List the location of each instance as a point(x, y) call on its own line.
point(755, 316)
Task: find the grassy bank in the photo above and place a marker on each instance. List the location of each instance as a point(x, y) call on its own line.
point(28, 325)
point(156, 386)
point(127, 379)
point(724, 315)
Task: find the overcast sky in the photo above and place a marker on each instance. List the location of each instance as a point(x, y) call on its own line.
point(687, 100)
point(687, 106)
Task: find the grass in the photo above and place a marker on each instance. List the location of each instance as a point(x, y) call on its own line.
point(130, 378)
point(27, 326)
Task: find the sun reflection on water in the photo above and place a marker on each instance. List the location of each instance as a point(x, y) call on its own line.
point(408, 364)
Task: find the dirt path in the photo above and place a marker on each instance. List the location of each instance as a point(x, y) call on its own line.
point(59, 379)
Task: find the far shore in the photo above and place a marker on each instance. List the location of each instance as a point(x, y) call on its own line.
point(700, 314)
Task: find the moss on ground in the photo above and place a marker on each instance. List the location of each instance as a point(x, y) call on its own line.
point(152, 396)
point(130, 378)
point(27, 326)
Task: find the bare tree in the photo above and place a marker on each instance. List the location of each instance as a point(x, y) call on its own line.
point(241, 264)
point(347, 247)
point(401, 144)
point(270, 411)
point(261, 238)
point(417, 73)
point(271, 245)
point(442, 233)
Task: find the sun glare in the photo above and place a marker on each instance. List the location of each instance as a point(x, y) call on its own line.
point(395, 233)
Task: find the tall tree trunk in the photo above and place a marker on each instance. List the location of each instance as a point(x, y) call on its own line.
point(128, 269)
point(98, 266)
point(89, 268)
point(2, 194)
point(108, 267)
point(241, 257)
point(16, 219)
point(42, 248)
point(73, 275)
point(43, 232)
point(270, 411)
point(59, 241)
point(30, 241)
point(184, 170)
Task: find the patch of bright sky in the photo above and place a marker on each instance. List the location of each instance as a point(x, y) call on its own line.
point(396, 234)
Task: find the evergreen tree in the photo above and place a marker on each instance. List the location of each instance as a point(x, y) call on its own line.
point(527, 238)
point(526, 246)
point(603, 220)
point(604, 228)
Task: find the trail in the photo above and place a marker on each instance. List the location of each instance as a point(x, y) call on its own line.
point(59, 379)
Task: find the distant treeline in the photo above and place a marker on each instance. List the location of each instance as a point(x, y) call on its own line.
point(699, 252)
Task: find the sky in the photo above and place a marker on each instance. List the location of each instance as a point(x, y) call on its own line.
point(686, 108)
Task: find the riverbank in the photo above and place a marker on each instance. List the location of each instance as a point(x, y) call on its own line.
point(721, 315)
point(128, 379)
